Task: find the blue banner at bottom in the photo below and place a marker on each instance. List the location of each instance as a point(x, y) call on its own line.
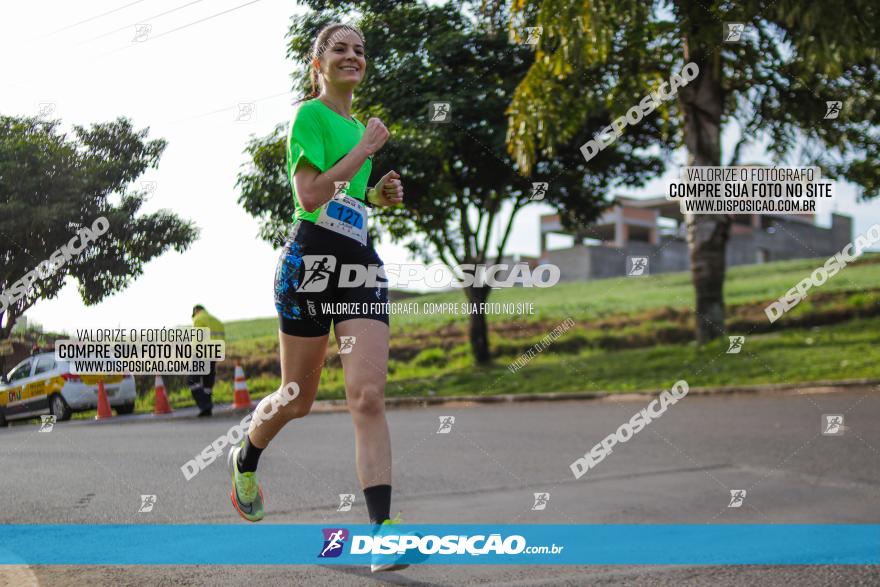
point(522, 544)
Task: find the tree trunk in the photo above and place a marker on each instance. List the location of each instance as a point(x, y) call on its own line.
point(6, 330)
point(479, 329)
point(702, 101)
point(5, 333)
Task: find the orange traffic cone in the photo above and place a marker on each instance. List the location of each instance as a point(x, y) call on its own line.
point(103, 403)
point(241, 399)
point(162, 405)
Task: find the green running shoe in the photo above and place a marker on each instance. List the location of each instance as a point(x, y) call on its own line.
point(247, 495)
point(386, 562)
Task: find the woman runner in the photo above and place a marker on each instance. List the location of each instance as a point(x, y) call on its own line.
point(329, 160)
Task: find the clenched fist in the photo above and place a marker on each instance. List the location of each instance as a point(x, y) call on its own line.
point(375, 136)
point(388, 192)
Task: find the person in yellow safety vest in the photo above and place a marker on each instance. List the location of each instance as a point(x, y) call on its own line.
point(201, 386)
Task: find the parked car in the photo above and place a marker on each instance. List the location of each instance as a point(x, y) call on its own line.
point(41, 385)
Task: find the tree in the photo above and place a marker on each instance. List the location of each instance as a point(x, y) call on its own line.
point(774, 84)
point(458, 177)
point(53, 186)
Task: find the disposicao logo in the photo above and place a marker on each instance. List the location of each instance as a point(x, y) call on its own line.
point(334, 540)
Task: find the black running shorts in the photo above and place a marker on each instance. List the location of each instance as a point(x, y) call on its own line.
point(324, 277)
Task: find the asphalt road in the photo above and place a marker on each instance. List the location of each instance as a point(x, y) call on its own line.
point(680, 469)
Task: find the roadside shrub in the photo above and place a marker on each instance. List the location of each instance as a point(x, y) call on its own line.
point(862, 301)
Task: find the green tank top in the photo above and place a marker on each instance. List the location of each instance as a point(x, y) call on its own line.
point(323, 137)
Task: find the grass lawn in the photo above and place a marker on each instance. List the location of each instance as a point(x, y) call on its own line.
point(577, 362)
point(587, 300)
point(842, 351)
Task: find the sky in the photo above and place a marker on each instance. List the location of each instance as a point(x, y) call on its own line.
point(183, 76)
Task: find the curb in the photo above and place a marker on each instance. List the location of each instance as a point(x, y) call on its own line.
point(339, 405)
point(588, 395)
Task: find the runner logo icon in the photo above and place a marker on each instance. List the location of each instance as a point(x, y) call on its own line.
point(638, 265)
point(341, 186)
point(318, 269)
point(833, 424)
point(539, 190)
point(334, 540)
point(439, 112)
point(737, 496)
point(47, 423)
point(735, 32)
point(147, 503)
point(736, 344)
point(346, 344)
point(832, 109)
point(345, 502)
point(446, 423)
point(534, 34)
point(541, 501)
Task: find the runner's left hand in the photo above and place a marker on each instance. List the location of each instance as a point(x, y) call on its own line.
point(389, 191)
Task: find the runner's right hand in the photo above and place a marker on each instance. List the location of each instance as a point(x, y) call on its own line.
point(375, 136)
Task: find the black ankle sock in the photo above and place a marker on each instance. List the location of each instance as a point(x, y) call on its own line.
point(248, 456)
point(378, 499)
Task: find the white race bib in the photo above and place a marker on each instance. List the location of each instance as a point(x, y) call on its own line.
point(345, 215)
